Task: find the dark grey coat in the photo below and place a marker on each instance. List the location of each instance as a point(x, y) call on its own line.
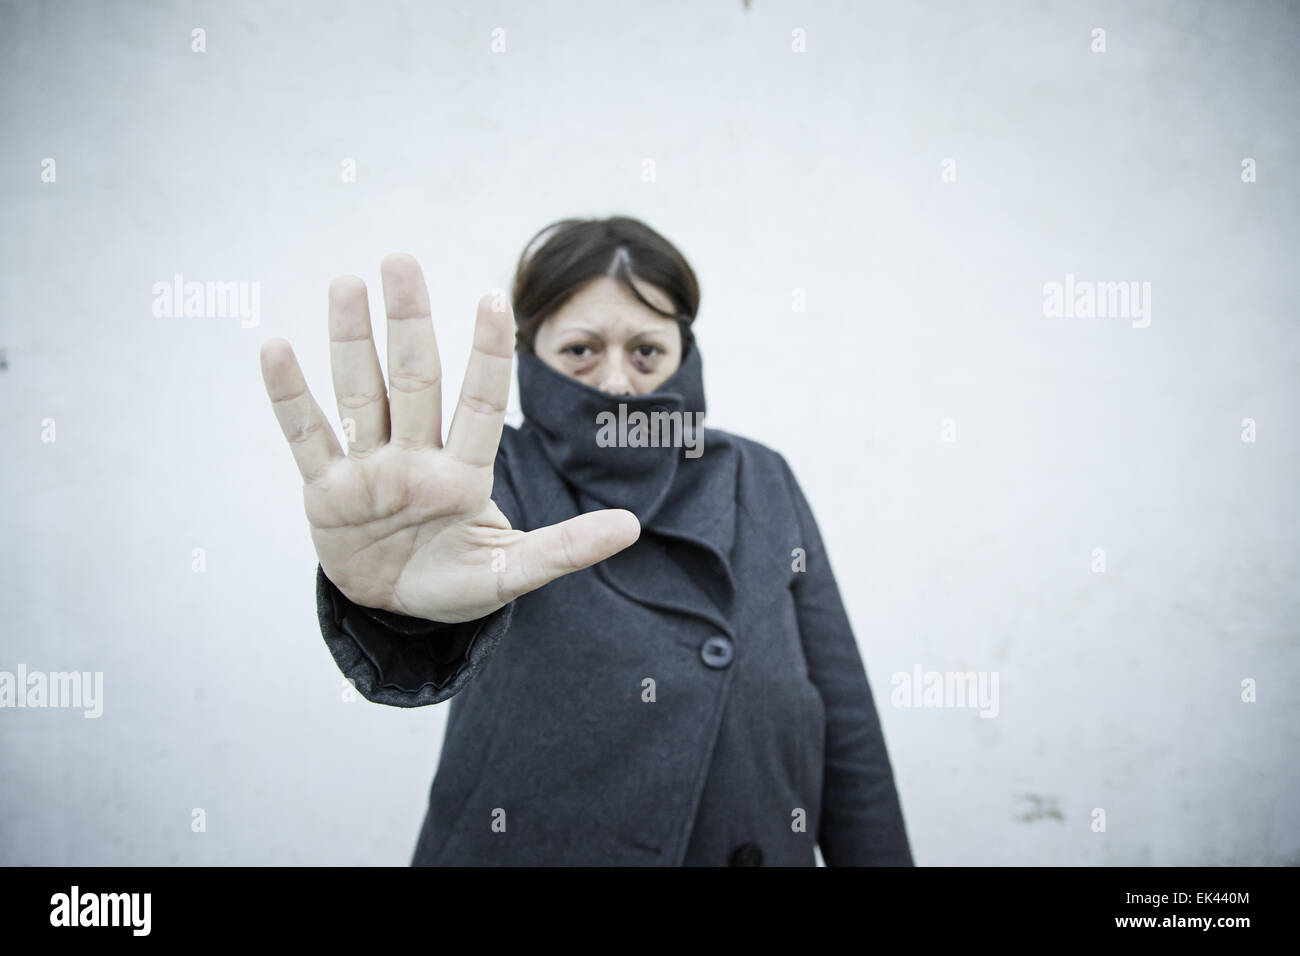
point(697, 699)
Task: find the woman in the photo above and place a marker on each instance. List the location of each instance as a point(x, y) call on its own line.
point(635, 621)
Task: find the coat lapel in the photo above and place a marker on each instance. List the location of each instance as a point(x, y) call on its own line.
point(683, 560)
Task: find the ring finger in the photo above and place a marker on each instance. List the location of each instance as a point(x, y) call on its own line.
point(358, 381)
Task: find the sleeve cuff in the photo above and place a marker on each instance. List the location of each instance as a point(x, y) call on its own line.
point(404, 661)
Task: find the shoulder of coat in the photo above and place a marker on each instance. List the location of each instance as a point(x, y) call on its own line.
point(751, 449)
point(765, 475)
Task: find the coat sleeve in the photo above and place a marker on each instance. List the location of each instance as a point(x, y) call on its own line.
point(408, 661)
point(861, 818)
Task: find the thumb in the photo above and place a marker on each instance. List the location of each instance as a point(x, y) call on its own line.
point(541, 556)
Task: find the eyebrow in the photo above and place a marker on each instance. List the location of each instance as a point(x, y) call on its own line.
point(649, 332)
point(580, 330)
point(596, 335)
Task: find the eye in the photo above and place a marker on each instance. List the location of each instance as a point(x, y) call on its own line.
point(648, 351)
point(577, 351)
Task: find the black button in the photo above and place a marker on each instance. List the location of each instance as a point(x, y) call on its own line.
point(717, 651)
point(747, 854)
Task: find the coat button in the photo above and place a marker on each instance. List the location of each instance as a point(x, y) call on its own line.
point(747, 854)
point(717, 651)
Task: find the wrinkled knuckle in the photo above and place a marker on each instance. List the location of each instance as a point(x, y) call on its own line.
point(481, 405)
point(317, 477)
point(568, 549)
point(356, 400)
point(303, 431)
point(413, 381)
point(281, 398)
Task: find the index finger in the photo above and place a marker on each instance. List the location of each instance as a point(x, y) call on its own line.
point(481, 412)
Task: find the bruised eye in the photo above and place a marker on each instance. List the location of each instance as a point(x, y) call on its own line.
point(646, 356)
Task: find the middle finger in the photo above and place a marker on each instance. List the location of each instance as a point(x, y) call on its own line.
point(414, 371)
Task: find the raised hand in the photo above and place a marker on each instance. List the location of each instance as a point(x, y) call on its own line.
point(402, 522)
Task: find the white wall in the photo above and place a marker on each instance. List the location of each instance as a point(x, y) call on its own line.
point(775, 171)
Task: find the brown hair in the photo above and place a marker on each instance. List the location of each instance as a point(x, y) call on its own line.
point(578, 250)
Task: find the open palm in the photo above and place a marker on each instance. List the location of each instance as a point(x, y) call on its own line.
point(403, 522)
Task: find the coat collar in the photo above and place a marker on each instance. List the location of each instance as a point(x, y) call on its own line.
point(577, 422)
point(683, 495)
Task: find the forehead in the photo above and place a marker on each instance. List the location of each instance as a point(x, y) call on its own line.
point(607, 304)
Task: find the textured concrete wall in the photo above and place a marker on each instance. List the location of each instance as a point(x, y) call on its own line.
point(873, 219)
